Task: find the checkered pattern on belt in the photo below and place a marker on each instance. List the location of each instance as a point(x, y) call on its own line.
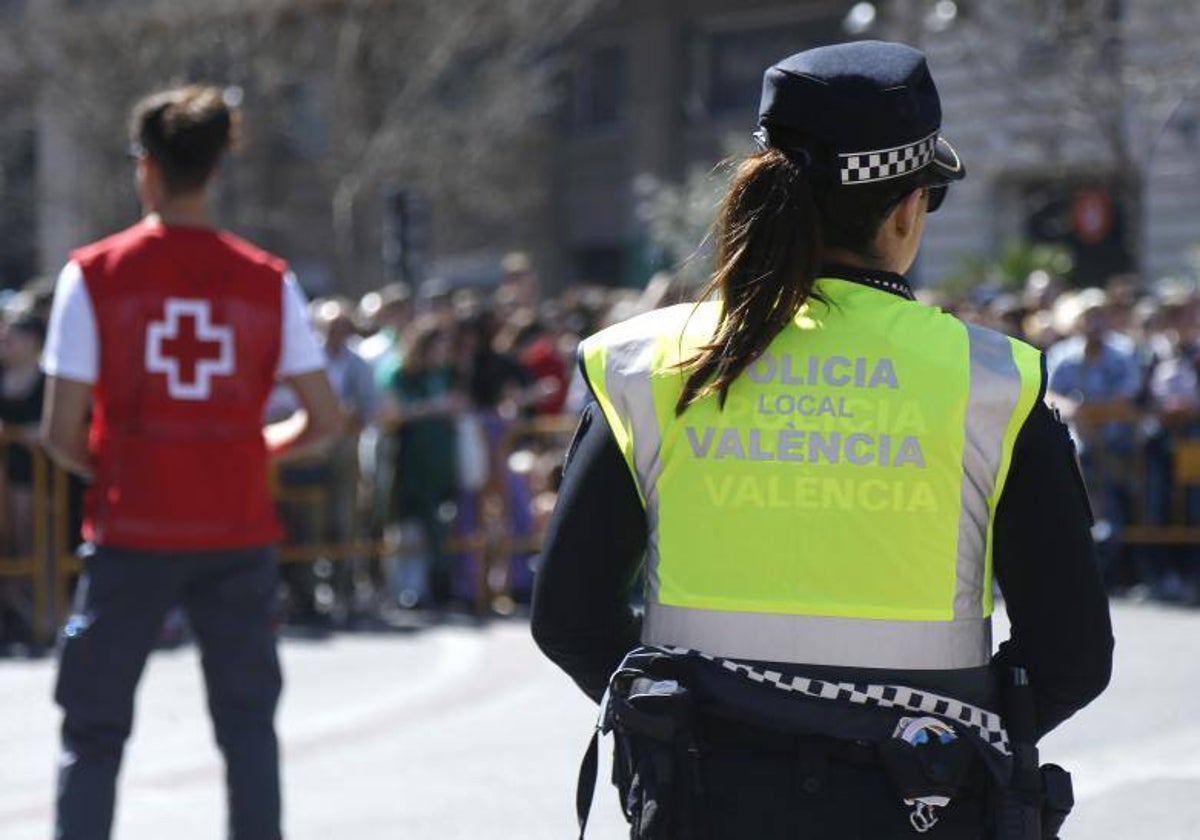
point(881, 165)
point(987, 725)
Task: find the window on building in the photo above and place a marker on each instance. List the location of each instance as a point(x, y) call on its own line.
point(727, 65)
point(1086, 216)
point(599, 88)
point(304, 121)
point(18, 235)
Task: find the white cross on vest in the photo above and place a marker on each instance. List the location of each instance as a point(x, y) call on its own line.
point(189, 348)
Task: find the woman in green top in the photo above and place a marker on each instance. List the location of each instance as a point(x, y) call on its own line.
point(426, 403)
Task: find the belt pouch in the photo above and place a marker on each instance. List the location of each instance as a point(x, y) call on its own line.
point(1059, 799)
point(655, 764)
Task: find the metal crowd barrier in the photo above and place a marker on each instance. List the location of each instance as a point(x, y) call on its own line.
point(493, 545)
point(1185, 476)
point(33, 566)
point(52, 564)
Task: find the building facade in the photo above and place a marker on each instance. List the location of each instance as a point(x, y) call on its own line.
point(1092, 146)
point(1091, 143)
point(660, 91)
point(644, 93)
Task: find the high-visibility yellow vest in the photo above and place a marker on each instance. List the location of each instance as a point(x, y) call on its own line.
point(839, 509)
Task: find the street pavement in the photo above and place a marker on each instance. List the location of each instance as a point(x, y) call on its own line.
point(466, 732)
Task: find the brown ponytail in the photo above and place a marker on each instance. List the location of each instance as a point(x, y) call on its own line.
point(768, 235)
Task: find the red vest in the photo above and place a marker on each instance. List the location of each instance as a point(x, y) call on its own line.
point(189, 323)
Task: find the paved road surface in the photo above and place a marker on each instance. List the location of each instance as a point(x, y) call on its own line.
point(464, 733)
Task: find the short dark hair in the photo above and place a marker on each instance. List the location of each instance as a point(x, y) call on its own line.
point(184, 130)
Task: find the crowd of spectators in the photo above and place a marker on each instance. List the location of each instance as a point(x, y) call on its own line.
point(460, 403)
point(1122, 364)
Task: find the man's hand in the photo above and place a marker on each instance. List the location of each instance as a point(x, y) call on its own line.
point(311, 430)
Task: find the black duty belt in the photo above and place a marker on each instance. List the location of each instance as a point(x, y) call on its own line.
point(719, 733)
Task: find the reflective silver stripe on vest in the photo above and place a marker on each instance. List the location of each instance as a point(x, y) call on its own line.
point(822, 640)
point(994, 393)
point(627, 373)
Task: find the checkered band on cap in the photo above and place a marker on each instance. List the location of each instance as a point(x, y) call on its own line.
point(867, 167)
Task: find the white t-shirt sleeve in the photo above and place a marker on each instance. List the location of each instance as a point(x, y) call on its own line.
point(72, 348)
point(300, 352)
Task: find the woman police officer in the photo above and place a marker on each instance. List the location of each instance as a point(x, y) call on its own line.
point(820, 476)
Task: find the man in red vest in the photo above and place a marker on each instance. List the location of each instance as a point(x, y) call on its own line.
point(173, 333)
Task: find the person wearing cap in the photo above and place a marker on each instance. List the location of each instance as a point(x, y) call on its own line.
point(818, 479)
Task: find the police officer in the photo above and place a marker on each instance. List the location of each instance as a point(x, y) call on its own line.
point(173, 333)
point(822, 476)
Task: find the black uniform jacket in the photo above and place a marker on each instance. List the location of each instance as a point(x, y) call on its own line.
point(1043, 555)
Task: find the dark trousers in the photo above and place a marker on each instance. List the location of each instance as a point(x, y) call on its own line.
point(229, 597)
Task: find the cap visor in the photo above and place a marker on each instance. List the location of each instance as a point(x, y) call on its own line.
point(947, 165)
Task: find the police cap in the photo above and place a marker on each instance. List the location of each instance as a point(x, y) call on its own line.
point(860, 113)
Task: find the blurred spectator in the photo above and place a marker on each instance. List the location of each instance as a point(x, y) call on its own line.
point(351, 374)
point(1173, 387)
point(1093, 364)
point(22, 385)
point(1007, 314)
point(520, 283)
point(500, 391)
point(1041, 290)
point(422, 403)
point(320, 496)
point(1096, 376)
point(1173, 399)
point(354, 383)
point(537, 351)
point(385, 314)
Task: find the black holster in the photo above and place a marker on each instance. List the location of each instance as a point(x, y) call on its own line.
point(1035, 814)
point(656, 757)
point(1038, 799)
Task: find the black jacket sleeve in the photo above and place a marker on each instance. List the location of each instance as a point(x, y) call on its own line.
point(1045, 563)
point(594, 546)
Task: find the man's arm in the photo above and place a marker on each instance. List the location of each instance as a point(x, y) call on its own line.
point(65, 424)
point(1046, 566)
point(71, 362)
point(308, 432)
point(582, 618)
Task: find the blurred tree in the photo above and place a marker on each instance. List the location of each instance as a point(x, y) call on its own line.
point(443, 96)
point(677, 217)
point(1007, 272)
point(344, 100)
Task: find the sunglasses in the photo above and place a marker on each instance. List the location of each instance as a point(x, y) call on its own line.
point(935, 196)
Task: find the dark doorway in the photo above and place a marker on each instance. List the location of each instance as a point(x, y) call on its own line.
point(1087, 217)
